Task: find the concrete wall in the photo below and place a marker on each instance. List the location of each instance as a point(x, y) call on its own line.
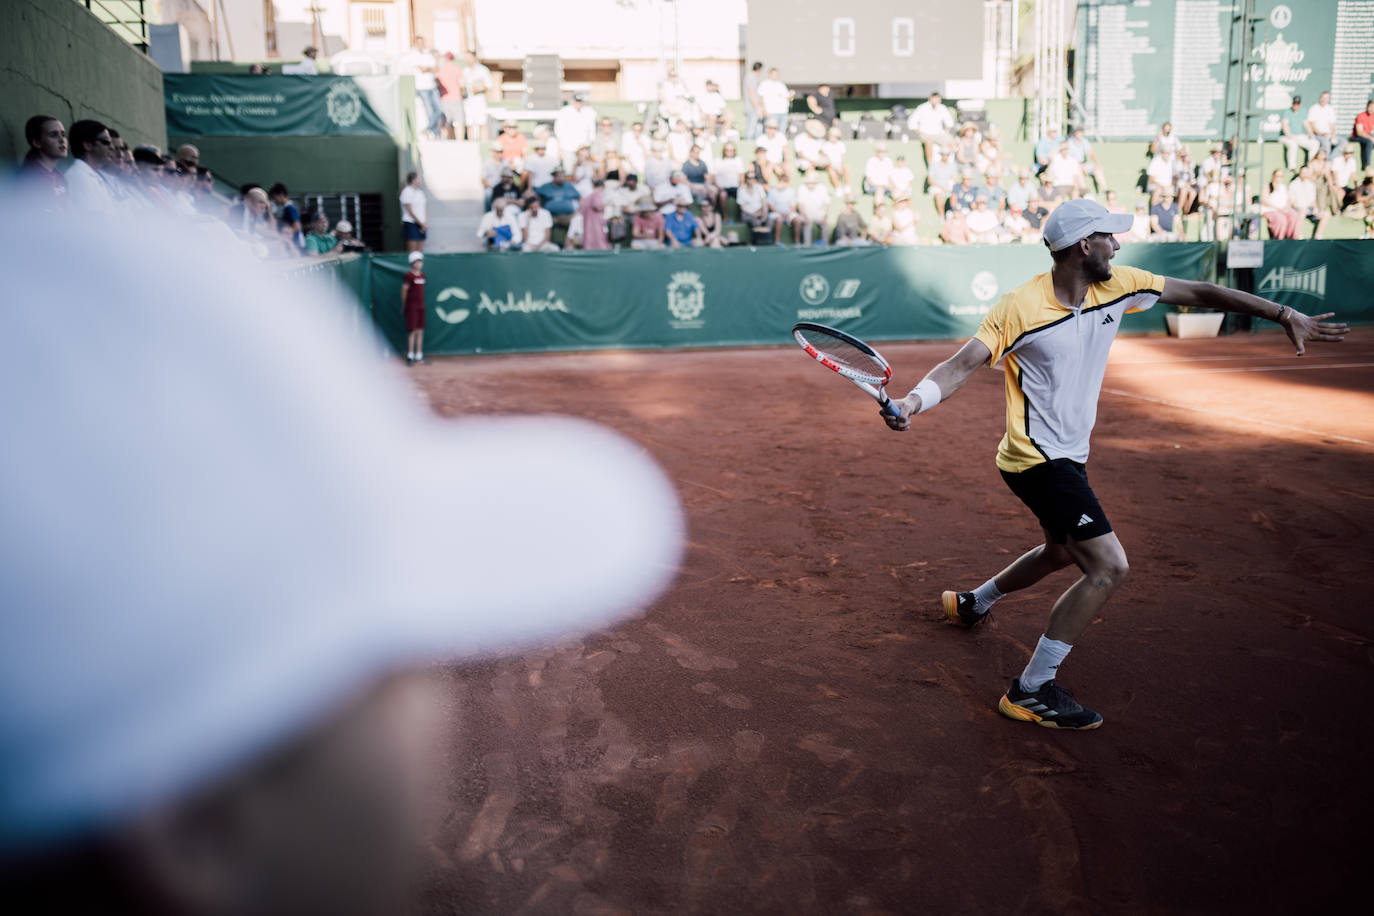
point(60, 60)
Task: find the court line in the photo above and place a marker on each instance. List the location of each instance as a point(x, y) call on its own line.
point(1307, 368)
point(1232, 416)
point(1207, 359)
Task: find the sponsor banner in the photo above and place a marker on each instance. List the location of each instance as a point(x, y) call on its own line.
point(208, 105)
point(1320, 276)
point(501, 303)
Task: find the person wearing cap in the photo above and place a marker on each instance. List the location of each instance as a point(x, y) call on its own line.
point(681, 229)
point(1344, 168)
point(509, 186)
point(877, 179)
point(850, 228)
point(575, 127)
point(559, 197)
point(477, 82)
point(1293, 135)
point(492, 170)
point(413, 308)
point(966, 147)
point(514, 145)
point(964, 193)
point(343, 231)
point(1053, 335)
point(646, 230)
point(667, 196)
point(539, 165)
point(813, 204)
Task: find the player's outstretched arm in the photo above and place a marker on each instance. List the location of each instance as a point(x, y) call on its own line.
point(1301, 328)
point(940, 383)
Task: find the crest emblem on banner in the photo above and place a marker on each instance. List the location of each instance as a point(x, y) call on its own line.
point(343, 104)
point(686, 296)
point(984, 285)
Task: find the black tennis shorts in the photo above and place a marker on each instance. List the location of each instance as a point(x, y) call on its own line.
point(1058, 493)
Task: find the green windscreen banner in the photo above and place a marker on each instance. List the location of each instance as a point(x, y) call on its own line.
point(1140, 63)
point(1320, 276)
point(208, 105)
point(502, 303)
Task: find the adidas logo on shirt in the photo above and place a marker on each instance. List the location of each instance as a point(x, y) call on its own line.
point(1108, 320)
point(1084, 519)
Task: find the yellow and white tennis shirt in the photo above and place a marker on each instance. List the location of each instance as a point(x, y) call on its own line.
point(1054, 358)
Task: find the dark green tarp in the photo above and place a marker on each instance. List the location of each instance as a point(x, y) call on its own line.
point(237, 106)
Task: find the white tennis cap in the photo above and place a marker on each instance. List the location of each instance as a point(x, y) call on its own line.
point(414, 256)
point(225, 519)
point(1074, 220)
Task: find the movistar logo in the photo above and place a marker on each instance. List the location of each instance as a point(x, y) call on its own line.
point(1287, 280)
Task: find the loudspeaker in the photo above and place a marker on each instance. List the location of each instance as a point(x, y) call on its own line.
point(543, 77)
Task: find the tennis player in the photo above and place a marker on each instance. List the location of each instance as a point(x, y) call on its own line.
point(1055, 355)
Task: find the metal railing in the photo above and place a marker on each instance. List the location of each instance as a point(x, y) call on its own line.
point(126, 18)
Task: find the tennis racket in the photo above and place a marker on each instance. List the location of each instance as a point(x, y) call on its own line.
point(850, 357)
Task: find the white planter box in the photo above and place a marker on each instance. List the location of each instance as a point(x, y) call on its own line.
point(1194, 324)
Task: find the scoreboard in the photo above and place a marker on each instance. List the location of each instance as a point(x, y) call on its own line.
point(867, 41)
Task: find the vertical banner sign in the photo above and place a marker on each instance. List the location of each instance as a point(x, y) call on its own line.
point(1144, 62)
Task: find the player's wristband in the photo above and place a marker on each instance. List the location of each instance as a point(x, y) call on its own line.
point(1282, 309)
point(929, 393)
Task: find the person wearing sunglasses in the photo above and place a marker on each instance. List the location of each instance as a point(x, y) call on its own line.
point(94, 152)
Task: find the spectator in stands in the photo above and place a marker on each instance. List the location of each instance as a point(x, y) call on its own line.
point(584, 170)
point(1088, 164)
point(833, 149)
point(880, 227)
point(1284, 221)
point(753, 104)
point(308, 65)
point(1212, 166)
point(964, 193)
point(1293, 135)
point(1362, 132)
point(592, 209)
point(536, 226)
point(761, 168)
point(992, 160)
point(697, 173)
point(47, 139)
point(904, 220)
point(983, 225)
point(1016, 228)
point(809, 154)
point(716, 115)
point(634, 148)
point(492, 170)
point(850, 228)
point(123, 163)
point(1344, 169)
point(1166, 223)
point(782, 205)
point(1043, 201)
point(260, 70)
point(679, 142)
point(343, 231)
point(821, 104)
point(774, 145)
point(668, 196)
point(1329, 192)
point(92, 150)
point(813, 204)
point(1302, 197)
point(622, 202)
point(1159, 175)
point(449, 80)
point(658, 170)
point(1321, 124)
point(319, 240)
point(647, 232)
point(1046, 147)
point(476, 82)
point(1113, 203)
point(414, 218)
point(610, 169)
point(540, 166)
point(509, 187)
point(996, 194)
point(711, 225)
point(966, 147)
point(777, 98)
point(151, 179)
point(681, 227)
point(559, 197)
point(1064, 172)
point(575, 127)
point(954, 230)
point(941, 178)
point(672, 98)
point(606, 139)
point(204, 194)
point(288, 216)
point(514, 147)
point(753, 204)
point(903, 180)
point(877, 177)
point(932, 123)
point(728, 172)
point(1019, 194)
point(542, 133)
point(1185, 182)
point(259, 228)
point(188, 156)
point(1166, 141)
point(1140, 226)
point(420, 64)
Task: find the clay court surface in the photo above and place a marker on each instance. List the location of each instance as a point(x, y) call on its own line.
point(793, 728)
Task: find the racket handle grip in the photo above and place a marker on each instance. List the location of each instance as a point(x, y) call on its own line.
point(890, 408)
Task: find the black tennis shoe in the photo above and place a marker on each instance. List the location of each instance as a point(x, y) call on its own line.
point(962, 608)
point(1051, 706)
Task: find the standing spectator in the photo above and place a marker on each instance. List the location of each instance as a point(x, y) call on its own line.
point(1159, 175)
point(716, 115)
point(47, 140)
point(514, 147)
point(1363, 133)
point(1165, 220)
point(1046, 147)
point(774, 144)
point(575, 127)
point(92, 150)
point(1321, 123)
point(821, 104)
point(634, 148)
point(540, 166)
point(942, 178)
point(288, 216)
point(753, 104)
point(753, 204)
point(492, 170)
point(904, 220)
point(559, 196)
point(414, 221)
point(880, 227)
point(834, 151)
point(1088, 163)
point(782, 208)
point(450, 84)
point(647, 233)
point(536, 224)
point(850, 228)
point(476, 82)
point(413, 308)
point(593, 210)
point(776, 99)
point(1166, 141)
point(420, 64)
point(319, 240)
point(1302, 197)
point(499, 228)
point(729, 172)
point(1293, 135)
point(813, 203)
point(681, 227)
point(903, 180)
point(932, 123)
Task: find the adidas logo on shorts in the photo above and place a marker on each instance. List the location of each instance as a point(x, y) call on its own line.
point(1084, 519)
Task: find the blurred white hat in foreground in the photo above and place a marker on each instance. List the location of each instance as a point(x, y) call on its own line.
point(224, 515)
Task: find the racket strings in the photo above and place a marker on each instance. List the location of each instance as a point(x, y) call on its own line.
point(854, 360)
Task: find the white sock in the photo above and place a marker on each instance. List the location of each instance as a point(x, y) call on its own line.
point(986, 595)
point(1044, 661)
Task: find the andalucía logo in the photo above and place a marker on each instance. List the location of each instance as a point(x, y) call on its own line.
point(686, 299)
point(1310, 282)
point(526, 304)
point(343, 104)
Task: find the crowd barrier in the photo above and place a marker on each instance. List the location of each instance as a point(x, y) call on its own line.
point(509, 303)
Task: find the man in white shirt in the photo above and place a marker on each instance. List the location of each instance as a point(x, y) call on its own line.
point(982, 222)
point(634, 147)
point(476, 81)
point(752, 198)
point(834, 149)
point(878, 172)
point(808, 146)
point(774, 144)
point(716, 115)
point(539, 166)
point(306, 66)
point(536, 224)
point(1302, 196)
point(575, 127)
point(499, 228)
point(93, 151)
point(1064, 172)
point(1321, 124)
point(903, 179)
point(420, 64)
point(676, 190)
point(659, 168)
point(1344, 167)
point(1160, 175)
point(932, 123)
point(782, 205)
point(813, 202)
point(776, 98)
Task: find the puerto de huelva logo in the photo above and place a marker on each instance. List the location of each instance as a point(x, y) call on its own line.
point(526, 304)
point(686, 299)
point(343, 104)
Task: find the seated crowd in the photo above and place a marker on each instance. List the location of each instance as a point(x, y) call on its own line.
point(106, 176)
